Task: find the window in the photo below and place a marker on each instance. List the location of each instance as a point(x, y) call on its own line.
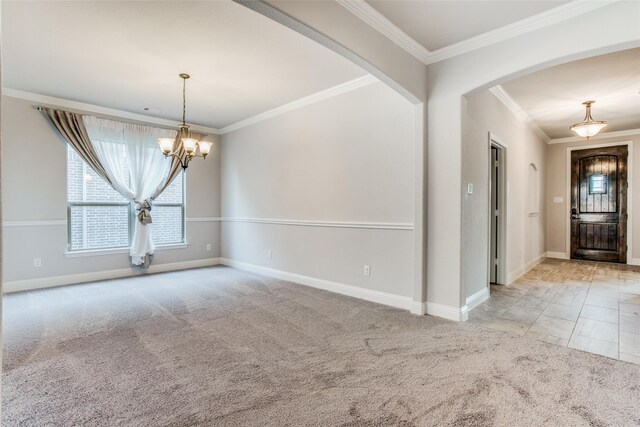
point(597, 184)
point(100, 218)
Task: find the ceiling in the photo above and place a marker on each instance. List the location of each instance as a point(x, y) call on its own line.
point(437, 24)
point(127, 56)
point(552, 97)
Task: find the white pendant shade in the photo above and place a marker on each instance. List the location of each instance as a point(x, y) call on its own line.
point(588, 130)
point(166, 144)
point(588, 127)
point(205, 147)
point(189, 145)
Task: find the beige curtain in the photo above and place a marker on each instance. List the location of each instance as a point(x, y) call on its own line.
point(72, 129)
point(71, 126)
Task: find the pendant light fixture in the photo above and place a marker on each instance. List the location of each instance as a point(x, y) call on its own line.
point(588, 127)
point(184, 141)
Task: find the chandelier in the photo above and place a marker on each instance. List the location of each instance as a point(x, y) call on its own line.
point(192, 147)
point(588, 127)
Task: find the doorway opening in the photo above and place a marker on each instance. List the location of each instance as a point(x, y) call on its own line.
point(497, 211)
point(599, 205)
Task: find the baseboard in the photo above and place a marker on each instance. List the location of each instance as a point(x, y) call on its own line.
point(478, 298)
point(48, 282)
point(398, 301)
point(419, 308)
point(557, 255)
point(563, 255)
point(447, 312)
point(379, 297)
point(472, 302)
point(406, 303)
point(464, 313)
point(514, 275)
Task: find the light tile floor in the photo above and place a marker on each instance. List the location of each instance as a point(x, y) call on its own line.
point(589, 306)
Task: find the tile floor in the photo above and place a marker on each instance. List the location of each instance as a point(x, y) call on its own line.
point(589, 306)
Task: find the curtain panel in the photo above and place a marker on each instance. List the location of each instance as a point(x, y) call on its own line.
point(127, 157)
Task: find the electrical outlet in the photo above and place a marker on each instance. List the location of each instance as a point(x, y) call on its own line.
point(270, 254)
point(37, 262)
point(367, 270)
point(208, 246)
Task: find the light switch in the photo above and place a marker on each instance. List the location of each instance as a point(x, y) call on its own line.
point(469, 188)
point(557, 199)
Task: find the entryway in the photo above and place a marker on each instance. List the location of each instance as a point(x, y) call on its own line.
point(497, 211)
point(589, 306)
point(599, 204)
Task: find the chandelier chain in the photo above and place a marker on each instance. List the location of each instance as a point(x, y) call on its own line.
point(184, 99)
point(185, 146)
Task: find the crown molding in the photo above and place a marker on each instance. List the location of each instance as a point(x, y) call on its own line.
point(379, 22)
point(318, 96)
point(504, 97)
point(527, 25)
point(97, 109)
point(376, 20)
point(607, 135)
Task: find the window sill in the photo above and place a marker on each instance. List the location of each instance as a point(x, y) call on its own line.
point(96, 252)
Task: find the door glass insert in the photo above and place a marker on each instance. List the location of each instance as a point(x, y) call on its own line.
point(597, 184)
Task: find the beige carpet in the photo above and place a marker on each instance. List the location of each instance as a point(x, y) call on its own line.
point(221, 347)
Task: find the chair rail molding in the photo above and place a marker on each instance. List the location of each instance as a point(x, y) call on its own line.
point(335, 224)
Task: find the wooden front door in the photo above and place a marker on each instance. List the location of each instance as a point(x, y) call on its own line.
point(599, 204)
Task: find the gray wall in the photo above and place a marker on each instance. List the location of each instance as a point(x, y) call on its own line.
point(34, 189)
point(484, 113)
point(557, 186)
point(347, 159)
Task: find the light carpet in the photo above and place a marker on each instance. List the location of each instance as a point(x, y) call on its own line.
point(218, 346)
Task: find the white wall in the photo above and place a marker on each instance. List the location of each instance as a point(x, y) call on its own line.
point(483, 113)
point(611, 28)
point(34, 189)
point(335, 27)
point(348, 159)
point(1, 208)
point(557, 187)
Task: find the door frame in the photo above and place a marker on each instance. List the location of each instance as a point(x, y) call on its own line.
point(629, 145)
point(501, 274)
